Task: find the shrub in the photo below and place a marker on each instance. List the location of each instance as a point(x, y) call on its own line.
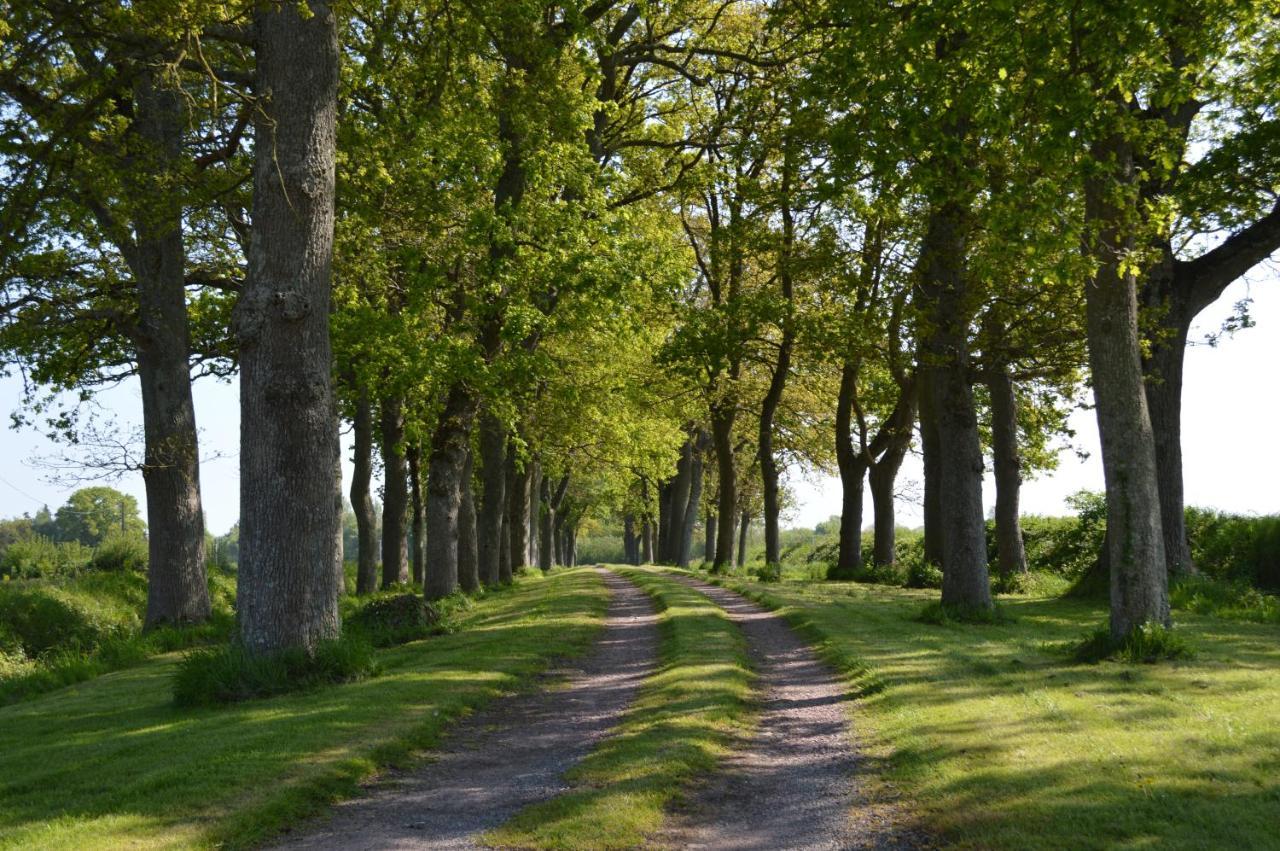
point(923, 574)
point(1147, 643)
point(228, 673)
point(393, 619)
point(37, 556)
point(768, 572)
point(119, 552)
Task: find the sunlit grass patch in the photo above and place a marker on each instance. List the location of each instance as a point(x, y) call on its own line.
point(112, 763)
point(997, 739)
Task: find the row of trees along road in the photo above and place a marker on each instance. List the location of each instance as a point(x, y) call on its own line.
point(613, 258)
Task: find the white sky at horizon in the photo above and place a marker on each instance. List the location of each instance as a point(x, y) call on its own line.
point(1231, 457)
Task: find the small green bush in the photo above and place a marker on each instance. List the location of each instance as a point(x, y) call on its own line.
point(229, 673)
point(768, 572)
point(393, 619)
point(923, 574)
point(1148, 643)
point(38, 556)
point(120, 553)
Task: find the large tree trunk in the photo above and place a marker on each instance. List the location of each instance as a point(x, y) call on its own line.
point(362, 497)
point(493, 476)
point(882, 479)
point(665, 489)
point(852, 463)
point(722, 417)
point(709, 539)
point(532, 525)
point(1007, 461)
point(446, 468)
point(945, 363)
point(177, 588)
point(505, 574)
point(743, 525)
point(681, 486)
point(546, 514)
point(932, 452)
point(290, 474)
point(1163, 369)
point(517, 512)
point(630, 544)
point(419, 510)
point(395, 496)
point(694, 504)
point(646, 540)
point(468, 549)
point(1139, 577)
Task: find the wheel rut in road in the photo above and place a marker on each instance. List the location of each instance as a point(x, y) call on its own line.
point(510, 754)
point(794, 783)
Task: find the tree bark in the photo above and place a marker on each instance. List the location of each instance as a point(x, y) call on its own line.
point(446, 469)
point(883, 473)
point(468, 549)
point(852, 463)
point(177, 588)
point(630, 546)
point(932, 452)
point(694, 504)
point(709, 539)
point(419, 511)
point(545, 516)
point(646, 540)
point(723, 414)
point(533, 513)
point(493, 462)
point(395, 496)
point(663, 534)
point(362, 498)
point(290, 474)
point(505, 574)
point(743, 525)
point(945, 363)
point(1139, 577)
point(517, 512)
point(681, 486)
point(1007, 460)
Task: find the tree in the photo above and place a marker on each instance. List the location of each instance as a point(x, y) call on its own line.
point(91, 515)
point(290, 500)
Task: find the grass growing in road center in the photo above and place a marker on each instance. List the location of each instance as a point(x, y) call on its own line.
point(111, 763)
point(998, 739)
point(684, 721)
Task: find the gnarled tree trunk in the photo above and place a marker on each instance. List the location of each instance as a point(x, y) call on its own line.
point(177, 588)
point(1007, 460)
point(1139, 577)
point(446, 468)
point(290, 477)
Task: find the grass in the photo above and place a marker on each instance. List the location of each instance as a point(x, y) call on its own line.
point(112, 763)
point(998, 740)
point(687, 716)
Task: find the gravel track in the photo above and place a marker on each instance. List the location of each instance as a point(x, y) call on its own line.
point(511, 754)
point(793, 784)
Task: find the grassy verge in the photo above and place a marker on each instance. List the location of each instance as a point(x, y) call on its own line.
point(687, 715)
point(998, 740)
point(112, 763)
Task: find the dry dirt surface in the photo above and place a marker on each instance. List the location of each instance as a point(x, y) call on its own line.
point(794, 783)
point(511, 754)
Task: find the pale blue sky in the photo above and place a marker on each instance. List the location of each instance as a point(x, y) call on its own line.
point(1231, 408)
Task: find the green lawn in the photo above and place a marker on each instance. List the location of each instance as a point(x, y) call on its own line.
point(111, 763)
point(687, 716)
point(995, 740)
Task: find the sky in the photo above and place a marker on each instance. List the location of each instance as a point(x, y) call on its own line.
point(1230, 410)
